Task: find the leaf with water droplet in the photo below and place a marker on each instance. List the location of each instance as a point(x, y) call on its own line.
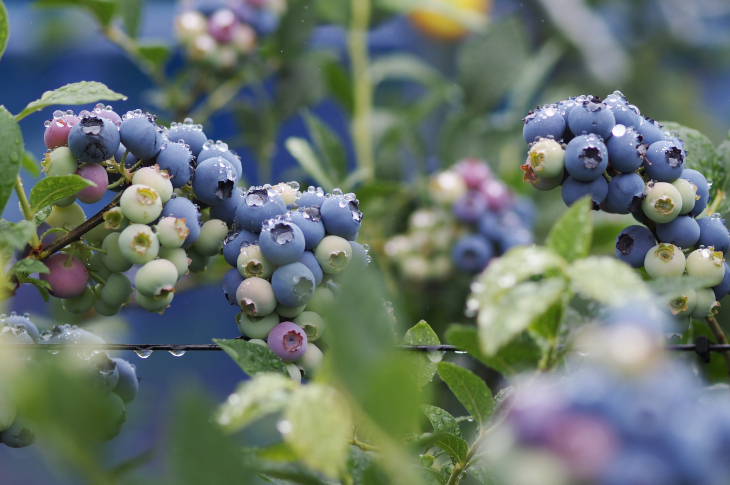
point(436, 416)
point(453, 445)
point(423, 366)
point(252, 358)
point(606, 280)
point(52, 189)
point(4, 28)
point(11, 141)
point(471, 391)
point(264, 394)
point(83, 92)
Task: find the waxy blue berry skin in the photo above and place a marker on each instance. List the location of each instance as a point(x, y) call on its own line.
point(309, 220)
point(221, 151)
point(128, 384)
point(293, 284)
point(214, 180)
point(176, 159)
point(309, 260)
point(703, 189)
point(235, 241)
point(592, 116)
point(281, 242)
point(545, 122)
point(192, 135)
point(231, 281)
point(341, 216)
point(625, 193)
point(586, 157)
point(287, 340)
point(258, 205)
point(312, 196)
point(573, 190)
point(626, 150)
point(93, 140)
point(623, 112)
point(472, 253)
point(650, 130)
point(182, 208)
point(664, 161)
point(723, 288)
point(141, 135)
point(18, 321)
point(633, 243)
point(712, 232)
point(683, 232)
point(470, 206)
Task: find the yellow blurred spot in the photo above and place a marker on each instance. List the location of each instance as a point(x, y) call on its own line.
point(439, 21)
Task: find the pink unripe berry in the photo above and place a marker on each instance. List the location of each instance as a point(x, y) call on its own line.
point(56, 134)
point(288, 341)
point(96, 173)
point(68, 276)
point(474, 171)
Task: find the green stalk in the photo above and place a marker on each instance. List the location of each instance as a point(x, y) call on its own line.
point(362, 88)
point(25, 206)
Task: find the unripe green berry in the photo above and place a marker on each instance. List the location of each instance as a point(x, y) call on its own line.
point(311, 360)
point(663, 202)
point(114, 259)
point(683, 305)
point(8, 411)
point(117, 290)
point(322, 300)
point(104, 309)
point(289, 312)
point(158, 180)
point(176, 256)
point(210, 240)
point(251, 263)
point(81, 304)
point(198, 262)
point(66, 217)
point(256, 297)
point(172, 231)
point(154, 304)
point(706, 303)
point(97, 265)
point(664, 261)
point(312, 323)
point(688, 192)
point(138, 243)
point(256, 327)
point(333, 254)
point(140, 204)
point(706, 264)
point(60, 161)
point(156, 278)
point(294, 372)
point(547, 158)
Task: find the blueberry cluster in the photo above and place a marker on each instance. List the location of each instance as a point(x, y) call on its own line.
point(625, 415)
point(628, 164)
point(113, 380)
point(475, 217)
point(287, 248)
point(221, 33)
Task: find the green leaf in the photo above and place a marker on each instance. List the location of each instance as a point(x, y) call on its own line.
point(42, 286)
point(571, 235)
point(547, 326)
point(252, 358)
point(42, 214)
point(302, 151)
point(52, 189)
point(454, 446)
point(11, 154)
point(606, 280)
point(338, 81)
point(103, 10)
point(329, 145)
point(280, 472)
point(481, 470)
point(320, 428)
point(15, 235)
point(431, 476)
point(471, 391)
point(521, 354)
point(404, 67)
point(4, 28)
point(423, 363)
point(29, 266)
point(154, 53)
point(31, 164)
point(131, 12)
point(84, 92)
point(264, 394)
point(441, 420)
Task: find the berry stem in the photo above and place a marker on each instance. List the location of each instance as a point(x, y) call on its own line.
point(219, 98)
point(720, 337)
point(25, 206)
point(364, 446)
point(719, 197)
point(460, 468)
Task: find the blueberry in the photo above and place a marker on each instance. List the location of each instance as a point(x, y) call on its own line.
point(470, 206)
point(67, 277)
point(138, 243)
point(58, 128)
point(8, 411)
point(251, 262)
point(626, 150)
point(722, 288)
point(702, 189)
point(117, 290)
point(60, 161)
point(706, 303)
point(235, 241)
point(309, 220)
point(98, 175)
point(360, 257)
point(20, 434)
point(650, 130)
point(93, 140)
point(547, 158)
point(220, 149)
point(158, 180)
point(154, 304)
point(287, 312)
point(103, 373)
point(258, 205)
point(113, 259)
point(333, 254)
point(176, 159)
point(182, 208)
point(684, 231)
point(140, 203)
point(341, 215)
point(20, 321)
point(190, 133)
point(312, 196)
point(293, 284)
point(633, 243)
point(210, 240)
point(288, 341)
point(712, 232)
point(309, 260)
point(625, 193)
point(707, 265)
point(128, 384)
point(586, 157)
point(625, 114)
point(472, 253)
point(545, 122)
point(312, 323)
point(565, 106)
point(474, 171)
point(256, 327)
point(156, 279)
point(226, 210)
point(311, 360)
point(172, 231)
point(592, 116)
point(178, 257)
point(664, 161)
point(140, 134)
point(689, 196)
point(574, 189)
point(214, 180)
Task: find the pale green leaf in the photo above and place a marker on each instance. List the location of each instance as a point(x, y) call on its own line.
point(571, 235)
point(441, 420)
point(303, 153)
point(11, 154)
point(83, 92)
point(606, 280)
point(50, 190)
point(29, 266)
point(31, 164)
point(264, 394)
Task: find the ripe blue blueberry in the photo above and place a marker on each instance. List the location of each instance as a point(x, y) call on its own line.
point(190, 133)
point(470, 206)
point(472, 253)
point(214, 180)
point(281, 241)
point(293, 284)
point(226, 210)
point(586, 157)
point(235, 241)
point(21, 322)
point(574, 189)
point(20, 434)
point(592, 116)
point(341, 215)
point(103, 373)
point(258, 205)
point(625, 114)
point(310, 222)
point(545, 122)
point(664, 161)
point(128, 384)
point(312, 196)
point(140, 134)
point(176, 159)
point(182, 208)
point(220, 149)
point(93, 140)
point(722, 288)
point(626, 151)
point(702, 189)
point(684, 232)
point(712, 232)
point(633, 243)
point(650, 130)
point(625, 193)
point(309, 260)
point(287, 340)
point(231, 281)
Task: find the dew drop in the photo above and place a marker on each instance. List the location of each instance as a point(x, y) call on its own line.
point(177, 353)
point(143, 354)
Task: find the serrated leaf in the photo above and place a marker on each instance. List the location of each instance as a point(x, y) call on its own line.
point(441, 420)
point(471, 391)
point(103, 10)
point(30, 164)
point(605, 280)
point(520, 354)
point(29, 266)
point(252, 358)
point(4, 28)
point(505, 317)
point(571, 235)
point(264, 394)
point(454, 446)
point(320, 428)
point(11, 154)
point(302, 151)
point(52, 189)
point(84, 92)
point(423, 363)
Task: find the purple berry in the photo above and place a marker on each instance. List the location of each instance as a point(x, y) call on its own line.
point(68, 277)
point(288, 340)
point(94, 173)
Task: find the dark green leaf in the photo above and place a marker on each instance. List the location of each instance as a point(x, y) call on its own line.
point(571, 235)
point(11, 154)
point(84, 92)
point(329, 145)
point(422, 363)
point(31, 164)
point(252, 358)
point(338, 82)
point(454, 446)
point(131, 12)
point(333, 11)
point(50, 190)
point(471, 391)
point(302, 151)
point(521, 354)
point(441, 420)
point(547, 326)
point(156, 54)
point(362, 468)
point(42, 214)
point(29, 266)
point(282, 472)
point(102, 10)
point(293, 35)
point(4, 28)
point(42, 286)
